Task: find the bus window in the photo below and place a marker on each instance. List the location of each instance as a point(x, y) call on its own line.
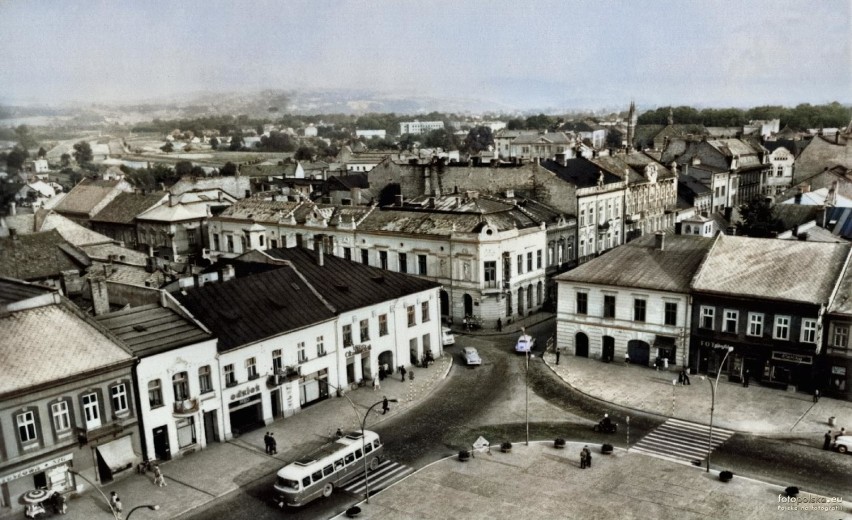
point(376, 443)
point(317, 476)
point(328, 470)
point(338, 464)
point(289, 484)
point(350, 458)
point(306, 481)
point(358, 453)
point(368, 448)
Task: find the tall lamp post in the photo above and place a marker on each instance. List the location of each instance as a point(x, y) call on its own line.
point(151, 507)
point(529, 355)
point(108, 503)
point(713, 387)
point(363, 422)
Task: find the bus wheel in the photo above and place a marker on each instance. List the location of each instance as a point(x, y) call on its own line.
point(327, 489)
point(374, 464)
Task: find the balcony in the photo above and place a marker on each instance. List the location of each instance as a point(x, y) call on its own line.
point(185, 407)
point(283, 375)
point(86, 436)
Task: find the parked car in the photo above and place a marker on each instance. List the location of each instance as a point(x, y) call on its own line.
point(447, 336)
point(843, 444)
point(525, 344)
point(471, 356)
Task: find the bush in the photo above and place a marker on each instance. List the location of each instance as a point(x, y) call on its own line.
point(464, 455)
point(606, 449)
point(506, 447)
point(792, 491)
point(559, 442)
point(725, 476)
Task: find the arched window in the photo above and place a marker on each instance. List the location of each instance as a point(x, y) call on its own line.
point(538, 293)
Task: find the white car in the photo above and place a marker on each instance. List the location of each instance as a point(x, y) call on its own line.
point(447, 336)
point(843, 444)
point(525, 344)
point(471, 356)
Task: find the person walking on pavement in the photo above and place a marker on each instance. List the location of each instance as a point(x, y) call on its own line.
point(266, 442)
point(557, 355)
point(746, 377)
point(385, 406)
point(816, 395)
point(680, 377)
point(583, 458)
point(588, 456)
point(826, 444)
point(273, 445)
point(841, 433)
point(402, 372)
point(376, 384)
point(159, 479)
point(499, 325)
point(115, 501)
point(685, 376)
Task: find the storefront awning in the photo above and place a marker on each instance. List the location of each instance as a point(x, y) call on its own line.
point(118, 454)
point(664, 341)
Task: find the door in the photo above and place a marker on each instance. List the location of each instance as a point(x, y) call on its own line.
point(161, 443)
point(445, 303)
point(608, 348)
point(211, 433)
point(275, 400)
point(468, 305)
point(639, 352)
point(581, 345)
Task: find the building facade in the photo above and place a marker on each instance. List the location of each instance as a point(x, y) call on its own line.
point(419, 127)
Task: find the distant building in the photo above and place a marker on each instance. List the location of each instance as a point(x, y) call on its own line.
point(310, 130)
point(419, 127)
point(368, 134)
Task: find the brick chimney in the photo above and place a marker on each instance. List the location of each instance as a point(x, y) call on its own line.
point(100, 296)
point(319, 248)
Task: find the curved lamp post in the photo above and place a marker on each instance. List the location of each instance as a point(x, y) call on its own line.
point(713, 387)
point(151, 507)
point(363, 422)
point(108, 503)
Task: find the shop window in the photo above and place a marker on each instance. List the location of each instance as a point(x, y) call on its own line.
point(185, 431)
point(155, 393)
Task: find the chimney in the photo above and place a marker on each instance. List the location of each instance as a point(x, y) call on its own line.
point(399, 200)
point(172, 199)
point(100, 298)
point(13, 209)
point(660, 240)
point(228, 273)
point(355, 195)
point(219, 194)
point(319, 247)
point(798, 198)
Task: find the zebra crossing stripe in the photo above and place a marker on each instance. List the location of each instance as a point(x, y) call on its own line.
point(387, 473)
point(682, 441)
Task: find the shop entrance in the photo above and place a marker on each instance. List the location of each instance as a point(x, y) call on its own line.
point(161, 443)
point(246, 415)
point(639, 352)
point(608, 348)
point(581, 345)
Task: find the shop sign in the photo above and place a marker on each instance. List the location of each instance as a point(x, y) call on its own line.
point(838, 371)
point(723, 346)
point(247, 391)
point(358, 349)
point(792, 358)
point(37, 468)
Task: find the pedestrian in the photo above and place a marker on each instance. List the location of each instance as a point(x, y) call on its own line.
point(387, 369)
point(266, 442)
point(588, 457)
point(686, 377)
point(499, 325)
point(159, 479)
point(115, 501)
point(826, 444)
point(840, 434)
point(746, 377)
point(583, 458)
point(376, 384)
point(402, 372)
point(680, 377)
point(273, 445)
point(338, 433)
point(381, 372)
point(626, 358)
point(557, 355)
point(816, 395)
point(385, 406)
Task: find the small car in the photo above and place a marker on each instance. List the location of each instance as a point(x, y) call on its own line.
point(447, 336)
point(843, 444)
point(471, 356)
point(525, 344)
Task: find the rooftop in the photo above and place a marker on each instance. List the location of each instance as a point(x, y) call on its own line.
point(39, 255)
point(581, 172)
point(86, 195)
point(151, 329)
point(126, 206)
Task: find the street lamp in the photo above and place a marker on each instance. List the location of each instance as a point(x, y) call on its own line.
point(713, 387)
point(151, 507)
point(529, 355)
point(108, 503)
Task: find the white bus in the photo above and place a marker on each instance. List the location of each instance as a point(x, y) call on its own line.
point(334, 464)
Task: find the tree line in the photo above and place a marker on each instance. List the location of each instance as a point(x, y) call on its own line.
point(800, 117)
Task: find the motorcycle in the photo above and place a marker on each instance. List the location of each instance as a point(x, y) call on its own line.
point(603, 427)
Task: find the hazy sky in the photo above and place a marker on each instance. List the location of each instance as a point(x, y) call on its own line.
point(521, 53)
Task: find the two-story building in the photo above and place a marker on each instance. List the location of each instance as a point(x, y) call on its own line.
point(66, 397)
point(633, 301)
point(764, 299)
point(834, 376)
point(779, 177)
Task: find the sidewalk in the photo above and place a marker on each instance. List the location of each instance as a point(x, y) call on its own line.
point(755, 409)
point(511, 329)
point(221, 468)
point(539, 481)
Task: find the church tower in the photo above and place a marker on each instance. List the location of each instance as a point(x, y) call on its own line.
point(631, 126)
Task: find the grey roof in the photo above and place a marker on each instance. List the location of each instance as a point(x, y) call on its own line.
point(86, 195)
point(38, 256)
point(842, 303)
point(581, 172)
point(641, 265)
point(631, 166)
point(126, 206)
point(822, 153)
point(151, 329)
point(13, 291)
point(771, 269)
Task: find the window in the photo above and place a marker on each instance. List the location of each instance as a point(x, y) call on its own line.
point(251, 368)
point(520, 264)
point(230, 240)
point(755, 324)
point(216, 241)
point(347, 335)
point(204, 381)
point(841, 336)
point(155, 393)
point(230, 377)
point(403, 263)
point(61, 417)
point(529, 261)
point(424, 312)
point(119, 398)
point(347, 253)
point(383, 259)
point(582, 303)
point(490, 272)
point(365, 330)
point(421, 264)
point(731, 318)
point(538, 259)
point(303, 356)
point(782, 327)
point(91, 411)
point(383, 325)
point(639, 310)
point(427, 343)
point(26, 426)
point(277, 363)
point(412, 319)
point(609, 306)
point(185, 428)
point(707, 316)
point(809, 328)
point(180, 384)
point(365, 257)
point(671, 313)
point(273, 244)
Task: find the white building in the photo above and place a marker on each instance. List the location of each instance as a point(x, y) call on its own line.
point(310, 130)
point(419, 127)
point(779, 178)
point(368, 134)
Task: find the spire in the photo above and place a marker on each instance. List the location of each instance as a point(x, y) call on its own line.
point(631, 125)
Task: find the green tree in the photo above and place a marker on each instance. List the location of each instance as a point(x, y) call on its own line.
point(42, 153)
point(168, 147)
point(15, 159)
point(25, 137)
point(540, 122)
point(305, 153)
point(478, 139)
point(441, 138)
point(183, 168)
point(65, 160)
point(237, 142)
point(214, 143)
point(516, 124)
point(759, 219)
point(83, 152)
point(277, 142)
point(229, 170)
point(197, 171)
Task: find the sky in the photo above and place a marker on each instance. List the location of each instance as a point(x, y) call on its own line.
point(518, 53)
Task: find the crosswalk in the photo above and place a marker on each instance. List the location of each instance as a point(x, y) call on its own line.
point(386, 474)
point(681, 441)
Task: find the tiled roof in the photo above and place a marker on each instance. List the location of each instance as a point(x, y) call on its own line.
point(86, 195)
point(822, 153)
point(634, 163)
point(772, 269)
point(842, 303)
point(580, 172)
point(72, 232)
point(39, 255)
point(135, 276)
point(47, 344)
point(151, 329)
point(124, 255)
point(126, 206)
point(545, 138)
point(260, 210)
point(12, 291)
point(176, 213)
point(641, 265)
